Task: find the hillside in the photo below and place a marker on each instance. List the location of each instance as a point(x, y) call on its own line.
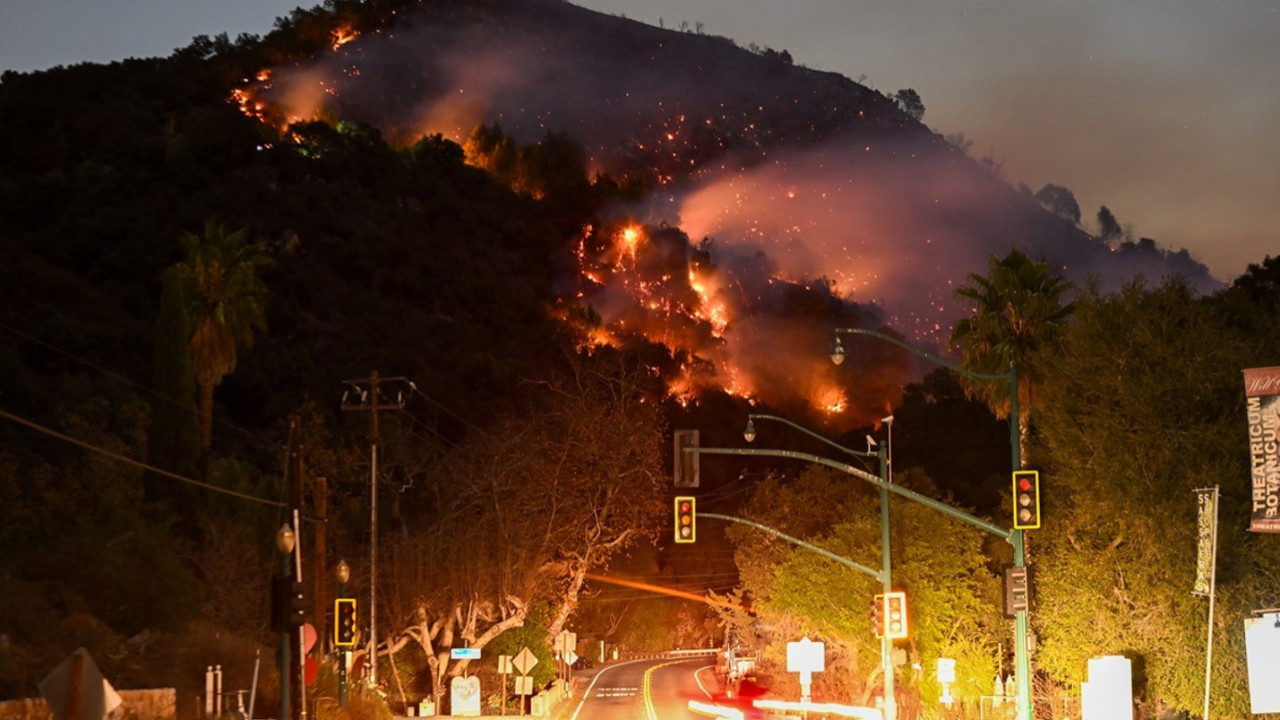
point(827, 177)
point(476, 190)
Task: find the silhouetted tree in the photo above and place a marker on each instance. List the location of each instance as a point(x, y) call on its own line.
point(1060, 201)
point(1109, 229)
point(910, 102)
point(226, 305)
point(1016, 314)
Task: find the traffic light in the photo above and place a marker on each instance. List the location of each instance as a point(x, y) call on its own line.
point(297, 605)
point(279, 603)
point(1015, 590)
point(344, 622)
point(686, 519)
point(877, 615)
point(1026, 499)
point(288, 603)
point(895, 615)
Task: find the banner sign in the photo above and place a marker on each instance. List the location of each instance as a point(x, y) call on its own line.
point(1207, 519)
point(1262, 400)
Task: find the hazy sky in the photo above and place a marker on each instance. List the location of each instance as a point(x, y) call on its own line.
point(1166, 111)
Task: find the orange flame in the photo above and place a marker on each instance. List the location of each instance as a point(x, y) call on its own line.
point(341, 36)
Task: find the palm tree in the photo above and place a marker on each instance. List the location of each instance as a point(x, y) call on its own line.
point(1016, 315)
point(226, 305)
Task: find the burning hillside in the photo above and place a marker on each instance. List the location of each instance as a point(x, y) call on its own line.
point(805, 184)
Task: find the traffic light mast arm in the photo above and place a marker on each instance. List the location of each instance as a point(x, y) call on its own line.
point(797, 541)
point(851, 470)
point(779, 419)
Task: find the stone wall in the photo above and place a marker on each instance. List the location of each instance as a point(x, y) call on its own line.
point(158, 704)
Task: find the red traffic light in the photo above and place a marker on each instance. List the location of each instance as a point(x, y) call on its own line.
point(1026, 499)
point(686, 519)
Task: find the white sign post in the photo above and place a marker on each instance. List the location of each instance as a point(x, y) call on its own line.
point(946, 676)
point(1262, 650)
point(523, 662)
point(806, 657)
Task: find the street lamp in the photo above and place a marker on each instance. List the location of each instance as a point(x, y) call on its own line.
point(1022, 657)
point(344, 574)
point(285, 540)
point(886, 564)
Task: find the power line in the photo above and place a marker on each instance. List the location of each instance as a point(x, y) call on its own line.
point(138, 386)
point(131, 461)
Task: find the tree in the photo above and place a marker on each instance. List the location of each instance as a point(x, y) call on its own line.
point(1060, 201)
point(524, 511)
point(953, 599)
point(226, 304)
point(173, 436)
point(1016, 315)
point(910, 102)
point(1142, 405)
point(1109, 229)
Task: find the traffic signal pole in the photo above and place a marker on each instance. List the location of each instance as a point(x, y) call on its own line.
point(886, 581)
point(886, 487)
point(1015, 536)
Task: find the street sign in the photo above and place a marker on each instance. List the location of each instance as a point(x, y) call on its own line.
point(504, 664)
point(570, 657)
point(464, 653)
point(524, 661)
point(946, 670)
point(806, 656)
point(76, 690)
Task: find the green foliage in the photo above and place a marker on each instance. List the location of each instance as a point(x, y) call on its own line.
point(1143, 406)
point(953, 599)
point(533, 635)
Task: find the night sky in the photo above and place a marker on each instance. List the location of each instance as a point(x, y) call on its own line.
point(1166, 111)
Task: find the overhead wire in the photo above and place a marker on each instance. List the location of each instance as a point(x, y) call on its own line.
point(125, 459)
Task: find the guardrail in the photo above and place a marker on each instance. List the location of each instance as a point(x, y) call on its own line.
point(659, 654)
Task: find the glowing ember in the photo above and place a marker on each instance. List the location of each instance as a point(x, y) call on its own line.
point(341, 36)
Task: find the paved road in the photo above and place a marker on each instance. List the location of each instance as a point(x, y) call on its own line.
point(647, 690)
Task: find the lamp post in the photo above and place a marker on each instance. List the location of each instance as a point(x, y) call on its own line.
point(1021, 655)
point(886, 564)
point(285, 540)
point(344, 574)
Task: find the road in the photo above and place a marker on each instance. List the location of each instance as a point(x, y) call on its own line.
point(658, 689)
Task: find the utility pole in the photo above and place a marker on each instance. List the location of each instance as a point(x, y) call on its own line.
point(321, 605)
point(293, 471)
point(365, 394)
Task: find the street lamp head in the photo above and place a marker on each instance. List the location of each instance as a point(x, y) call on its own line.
point(887, 420)
point(749, 434)
point(837, 351)
point(285, 539)
point(344, 572)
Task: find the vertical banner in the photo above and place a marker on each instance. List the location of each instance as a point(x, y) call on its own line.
point(1206, 520)
point(1262, 400)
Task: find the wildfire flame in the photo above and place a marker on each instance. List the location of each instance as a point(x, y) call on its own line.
point(341, 36)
